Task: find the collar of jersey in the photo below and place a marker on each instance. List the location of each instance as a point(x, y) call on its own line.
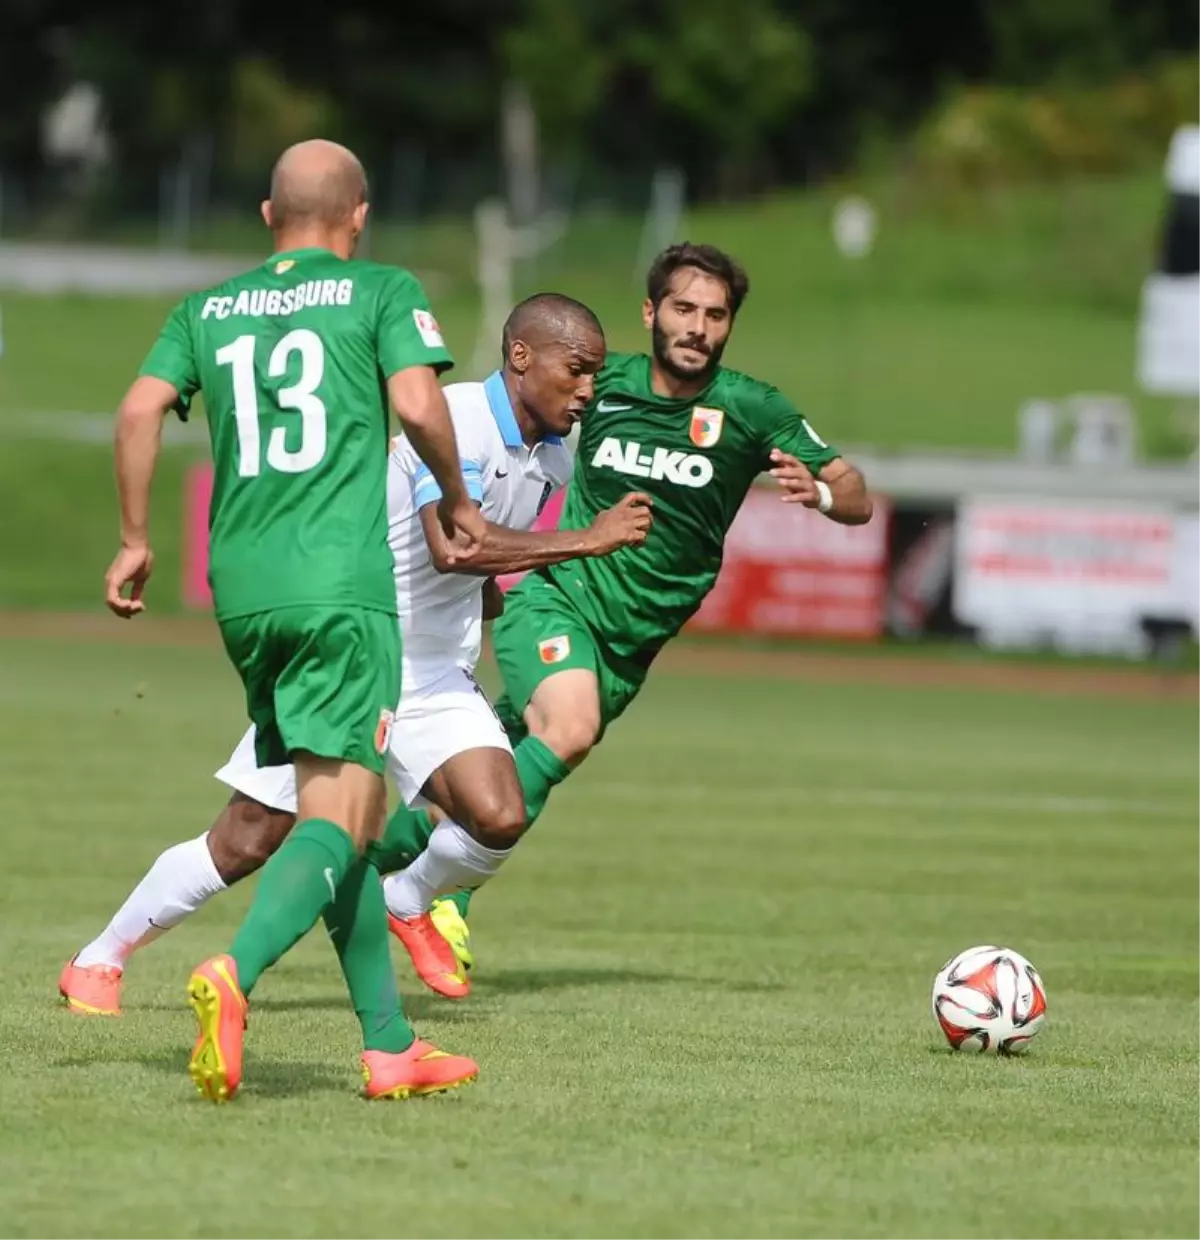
point(647, 396)
point(303, 252)
point(502, 411)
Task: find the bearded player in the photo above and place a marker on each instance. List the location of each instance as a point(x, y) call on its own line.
point(576, 640)
point(447, 745)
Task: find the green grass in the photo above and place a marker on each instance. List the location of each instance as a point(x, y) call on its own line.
point(701, 1004)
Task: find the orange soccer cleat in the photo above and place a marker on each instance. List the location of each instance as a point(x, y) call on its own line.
point(220, 1007)
point(432, 956)
point(91, 990)
point(422, 1069)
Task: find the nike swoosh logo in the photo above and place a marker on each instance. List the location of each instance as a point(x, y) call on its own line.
point(607, 406)
point(502, 475)
point(332, 884)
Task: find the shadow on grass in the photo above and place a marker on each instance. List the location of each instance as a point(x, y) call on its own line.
point(416, 1006)
point(264, 1077)
point(526, 981)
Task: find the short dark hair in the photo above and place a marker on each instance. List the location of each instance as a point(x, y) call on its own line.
point(706, 258)
point(547, 315)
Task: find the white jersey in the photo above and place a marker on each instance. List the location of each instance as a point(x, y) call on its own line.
point(441, 614)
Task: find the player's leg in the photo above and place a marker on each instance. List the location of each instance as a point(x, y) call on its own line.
point(539, 636)
point(329, 706)
point(456, 756)
point(180, 881)
point(562, 690)
point(539, 641)
point(315, 701)
point(287, 668)
point(395, 1063)
point(248, 830)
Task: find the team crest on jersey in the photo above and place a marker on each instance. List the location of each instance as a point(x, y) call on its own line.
point(383, 731)
point(284, 264)
point(554, 649)
point(706, 426)
point(428, 329)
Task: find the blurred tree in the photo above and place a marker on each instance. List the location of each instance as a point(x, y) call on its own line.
point(555, 51)
point(729, 71)
point(1034, 40)
point(737, 94)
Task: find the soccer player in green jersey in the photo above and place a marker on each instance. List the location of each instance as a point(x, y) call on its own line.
point(576, 640)
point(297, 361)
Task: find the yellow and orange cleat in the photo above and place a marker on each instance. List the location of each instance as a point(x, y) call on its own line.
point(91, 990)
point(220, 1007)
point(432, 956)
point(422, 1069)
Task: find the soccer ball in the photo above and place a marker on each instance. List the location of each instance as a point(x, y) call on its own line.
point(989, 999)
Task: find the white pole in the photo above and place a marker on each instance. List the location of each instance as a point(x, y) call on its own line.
point(664, 217)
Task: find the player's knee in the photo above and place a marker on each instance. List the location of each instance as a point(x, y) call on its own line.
point(570, 737)
point(245, 837)
point(564, 714)
point(500, 822)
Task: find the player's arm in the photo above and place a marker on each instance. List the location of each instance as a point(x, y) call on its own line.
point(419, 403)
point(168, 380)
point(411, 355)
point(807, 469)
point(505, 550)
point(843, 496)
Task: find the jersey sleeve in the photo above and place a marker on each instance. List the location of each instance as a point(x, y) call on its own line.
point(785, 428)
point(172, 358)
point(407, 333)
point(471, 452)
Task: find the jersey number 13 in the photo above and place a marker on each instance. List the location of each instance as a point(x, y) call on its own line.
point(301, 396)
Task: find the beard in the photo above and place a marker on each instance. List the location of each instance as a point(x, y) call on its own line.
point(661, 346)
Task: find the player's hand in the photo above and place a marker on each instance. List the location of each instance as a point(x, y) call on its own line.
point(794, 479)
point(625, 524)
point(132, 567)
point(464, 529)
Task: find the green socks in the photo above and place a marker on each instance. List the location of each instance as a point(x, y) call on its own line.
point(357, 925)
point(403, 840)
point(293, 890)
point(539, 770)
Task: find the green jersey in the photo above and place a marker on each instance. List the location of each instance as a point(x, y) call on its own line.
point(292, 360)
point(697, 458)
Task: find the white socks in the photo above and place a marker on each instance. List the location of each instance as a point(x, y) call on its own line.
point(177, 884)
point(451, 861)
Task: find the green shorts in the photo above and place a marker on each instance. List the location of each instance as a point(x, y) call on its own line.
point(541, 634)
point(320, 679)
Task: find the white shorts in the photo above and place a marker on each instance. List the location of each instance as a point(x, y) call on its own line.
point(436, 720)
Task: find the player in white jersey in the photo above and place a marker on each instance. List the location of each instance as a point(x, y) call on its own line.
point(446, 746)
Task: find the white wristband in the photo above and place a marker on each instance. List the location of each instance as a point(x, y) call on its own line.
point(826, 496)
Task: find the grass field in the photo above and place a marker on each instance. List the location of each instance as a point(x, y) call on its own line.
point(701, 1005)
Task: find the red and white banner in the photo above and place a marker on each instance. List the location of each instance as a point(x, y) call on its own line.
point(791, 571)
point(197, 495)
point(1083, 573)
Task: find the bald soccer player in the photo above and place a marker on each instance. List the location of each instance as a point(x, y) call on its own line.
point(297, 361)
